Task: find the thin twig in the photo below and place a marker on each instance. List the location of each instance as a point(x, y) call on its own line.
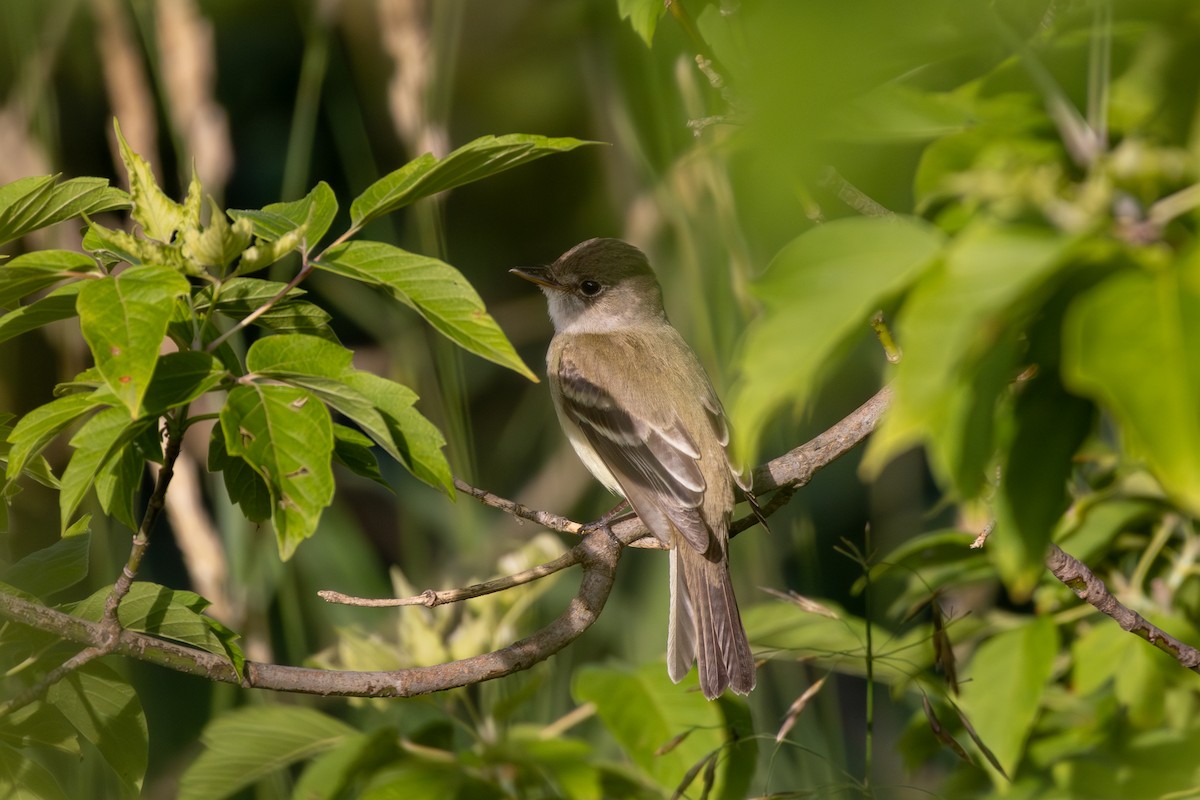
point(430, 597)
point(891, 350)
point(1092, 591)
point(305, 270)
point(141, 539)
point(1174, 205)
point(32, 693)
point(546, 519)
point(1081, 141)
point(801, 463)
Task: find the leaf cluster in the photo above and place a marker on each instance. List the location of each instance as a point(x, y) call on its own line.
point(162, 308)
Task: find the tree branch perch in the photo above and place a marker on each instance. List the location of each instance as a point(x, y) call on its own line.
point(598, 551)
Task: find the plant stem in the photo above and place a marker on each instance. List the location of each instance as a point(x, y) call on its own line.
point(305, 270)
point(110, 625)
point(869, 744)
point(141, 539)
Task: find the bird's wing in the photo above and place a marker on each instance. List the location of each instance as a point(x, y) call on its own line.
point(742, 477)
point(652, 456)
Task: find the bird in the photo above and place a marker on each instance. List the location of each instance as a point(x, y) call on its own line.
point(643, 417)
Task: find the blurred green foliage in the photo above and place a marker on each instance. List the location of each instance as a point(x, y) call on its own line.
point(1010, 184)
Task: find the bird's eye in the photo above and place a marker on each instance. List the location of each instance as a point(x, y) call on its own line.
point(590, 288)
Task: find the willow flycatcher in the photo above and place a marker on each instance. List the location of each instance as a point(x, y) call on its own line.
point(643, 417)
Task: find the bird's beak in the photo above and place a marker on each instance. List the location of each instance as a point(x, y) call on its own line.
point(538, 275)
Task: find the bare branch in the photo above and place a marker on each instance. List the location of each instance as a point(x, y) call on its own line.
point(430, 597)
point(554, 522)
point(1092, 591)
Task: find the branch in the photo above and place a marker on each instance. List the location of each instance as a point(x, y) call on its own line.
point(1092, 591)
point(430, 598)
point(598, 552)
point(786, 474)
point(305, 270)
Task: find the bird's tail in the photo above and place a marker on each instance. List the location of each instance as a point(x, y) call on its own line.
point(705, 626)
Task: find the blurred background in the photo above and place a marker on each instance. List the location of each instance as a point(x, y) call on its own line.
point(266, 98)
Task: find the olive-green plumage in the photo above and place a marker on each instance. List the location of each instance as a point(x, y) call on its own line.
point(642, 415)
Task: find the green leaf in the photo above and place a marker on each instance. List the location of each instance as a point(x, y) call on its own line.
point(1111, 335)
point(119, 479)
point(821, 289)
point(416, 439)
point(31, 203)
point(58, 304)
point(244, 486)
point(265, 253)
point(1004, 685)
point(894, 112)
point(95, 443)
point(643, 16)
point(297, 316)
point(35, 430)
point(297, 354)
point(59, 566)
point(159, 215)
point(287, 437)
point(314, 213)
point(32, 272)
point(836, 640)
point(1050, 426)
point(246, 745)
point(115, 246)
point(22, 778)
point(957, 316)
point(473, 161)
point(238, 297)
point(180, 378)
point(37, 724)
point(1097, 524)
point(381, 407)
point(324, 369)
point(334, 773)
point(106, 711)
point(124, 319)
point(353, 451)
point(644, 711)
point(436, 290)
point(217, 245)
point(430, 780)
